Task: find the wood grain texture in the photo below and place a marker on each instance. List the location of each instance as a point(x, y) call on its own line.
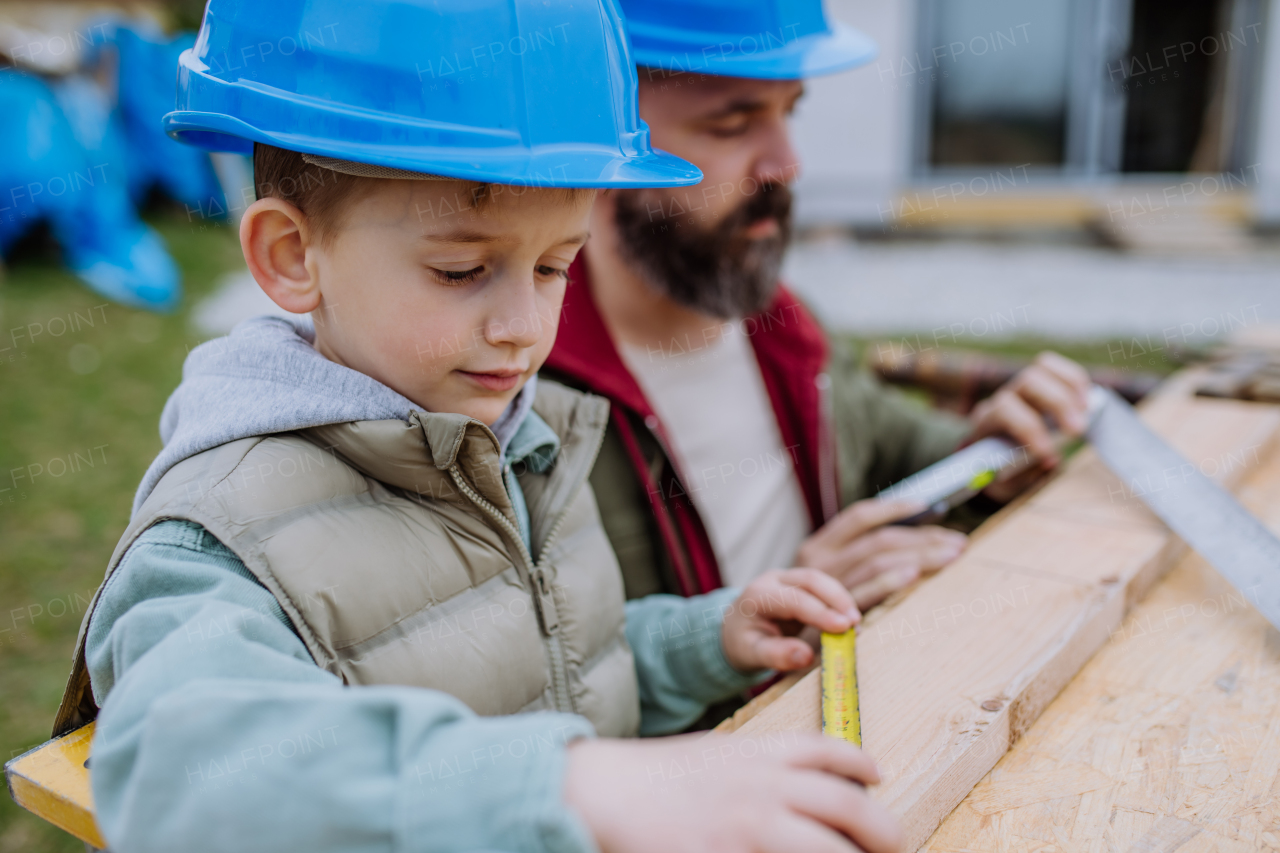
point(1175, 724)
point(1011, 621)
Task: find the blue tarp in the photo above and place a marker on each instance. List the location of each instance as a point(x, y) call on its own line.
point(71, 158)
point(148, 72)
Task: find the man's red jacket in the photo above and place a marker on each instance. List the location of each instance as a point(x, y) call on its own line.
point(791, 350)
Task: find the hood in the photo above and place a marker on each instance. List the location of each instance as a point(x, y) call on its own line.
point(266, 377)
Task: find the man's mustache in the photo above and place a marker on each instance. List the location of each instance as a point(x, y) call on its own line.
point(771, 201)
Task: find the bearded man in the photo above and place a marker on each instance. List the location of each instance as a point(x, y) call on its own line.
point(742, 438)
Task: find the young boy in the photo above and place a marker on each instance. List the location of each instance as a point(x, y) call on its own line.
point(365, 601)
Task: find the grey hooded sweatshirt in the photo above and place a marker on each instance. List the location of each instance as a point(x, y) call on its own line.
point(219, 732)
point(267, 377)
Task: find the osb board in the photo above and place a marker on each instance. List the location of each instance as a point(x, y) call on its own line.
point(960, 668)
point(1169, 738)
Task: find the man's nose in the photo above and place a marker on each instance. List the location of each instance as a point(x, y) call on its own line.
point(778, 162)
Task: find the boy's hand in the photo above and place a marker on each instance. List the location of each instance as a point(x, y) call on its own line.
point(728, 794)
point(759, 632)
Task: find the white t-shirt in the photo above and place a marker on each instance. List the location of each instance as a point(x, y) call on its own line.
point(713, 402)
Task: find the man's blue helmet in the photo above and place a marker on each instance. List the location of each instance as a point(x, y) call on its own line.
point(508, 91)
point(765, 39)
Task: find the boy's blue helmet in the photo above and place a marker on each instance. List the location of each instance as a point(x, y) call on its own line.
point(508, 91)
point(766, 39)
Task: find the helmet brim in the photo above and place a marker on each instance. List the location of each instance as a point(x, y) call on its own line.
point(810, 56)
point(550, 166)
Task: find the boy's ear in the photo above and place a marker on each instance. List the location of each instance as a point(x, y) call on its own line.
point(274, 238)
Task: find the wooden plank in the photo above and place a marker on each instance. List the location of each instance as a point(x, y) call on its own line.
point(1174, 723)
point(52, 781)
point(955, 673)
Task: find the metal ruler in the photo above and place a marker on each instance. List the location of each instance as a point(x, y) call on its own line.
point(1205, 515)
point(840, 713)
point(946, 484)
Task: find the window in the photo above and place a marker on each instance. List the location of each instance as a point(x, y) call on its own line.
point(1087, 87)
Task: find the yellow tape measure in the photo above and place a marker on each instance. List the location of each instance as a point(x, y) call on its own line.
point(840, 715)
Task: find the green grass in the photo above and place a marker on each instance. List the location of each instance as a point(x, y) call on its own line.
point(58, 528)
point(57, 532)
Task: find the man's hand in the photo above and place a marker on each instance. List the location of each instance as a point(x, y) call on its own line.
point(873, 560)
point(779, 603)
point(729, 794)
point(1053, 387)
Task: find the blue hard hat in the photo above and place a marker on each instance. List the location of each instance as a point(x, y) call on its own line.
point(509, 91)
point(766, 39)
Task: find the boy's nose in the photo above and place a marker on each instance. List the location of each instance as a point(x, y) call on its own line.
point(515, 320)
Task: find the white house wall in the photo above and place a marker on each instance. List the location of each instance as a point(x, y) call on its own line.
point(853, 130)
point(1268, 151)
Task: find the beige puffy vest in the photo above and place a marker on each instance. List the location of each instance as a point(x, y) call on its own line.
point(394, 549)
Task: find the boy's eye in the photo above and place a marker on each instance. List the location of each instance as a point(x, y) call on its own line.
point(550, 271)
point(458, 276)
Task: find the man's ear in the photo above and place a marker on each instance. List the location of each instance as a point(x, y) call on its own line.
point(274, 238)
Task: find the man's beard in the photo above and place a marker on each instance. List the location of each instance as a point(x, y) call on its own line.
point(720, 272)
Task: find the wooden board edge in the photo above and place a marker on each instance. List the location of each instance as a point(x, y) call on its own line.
point(1077, 645)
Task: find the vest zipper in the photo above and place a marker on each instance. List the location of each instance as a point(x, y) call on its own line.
point(553, 641)
point(536, 578)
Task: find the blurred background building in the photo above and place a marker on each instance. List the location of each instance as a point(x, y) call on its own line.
point(1100, 168)
point(1104, 167)
point(1060, 106)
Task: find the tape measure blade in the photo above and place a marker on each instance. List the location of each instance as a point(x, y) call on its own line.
point(956, 473)
point(1206, 516)
point(841, 715)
